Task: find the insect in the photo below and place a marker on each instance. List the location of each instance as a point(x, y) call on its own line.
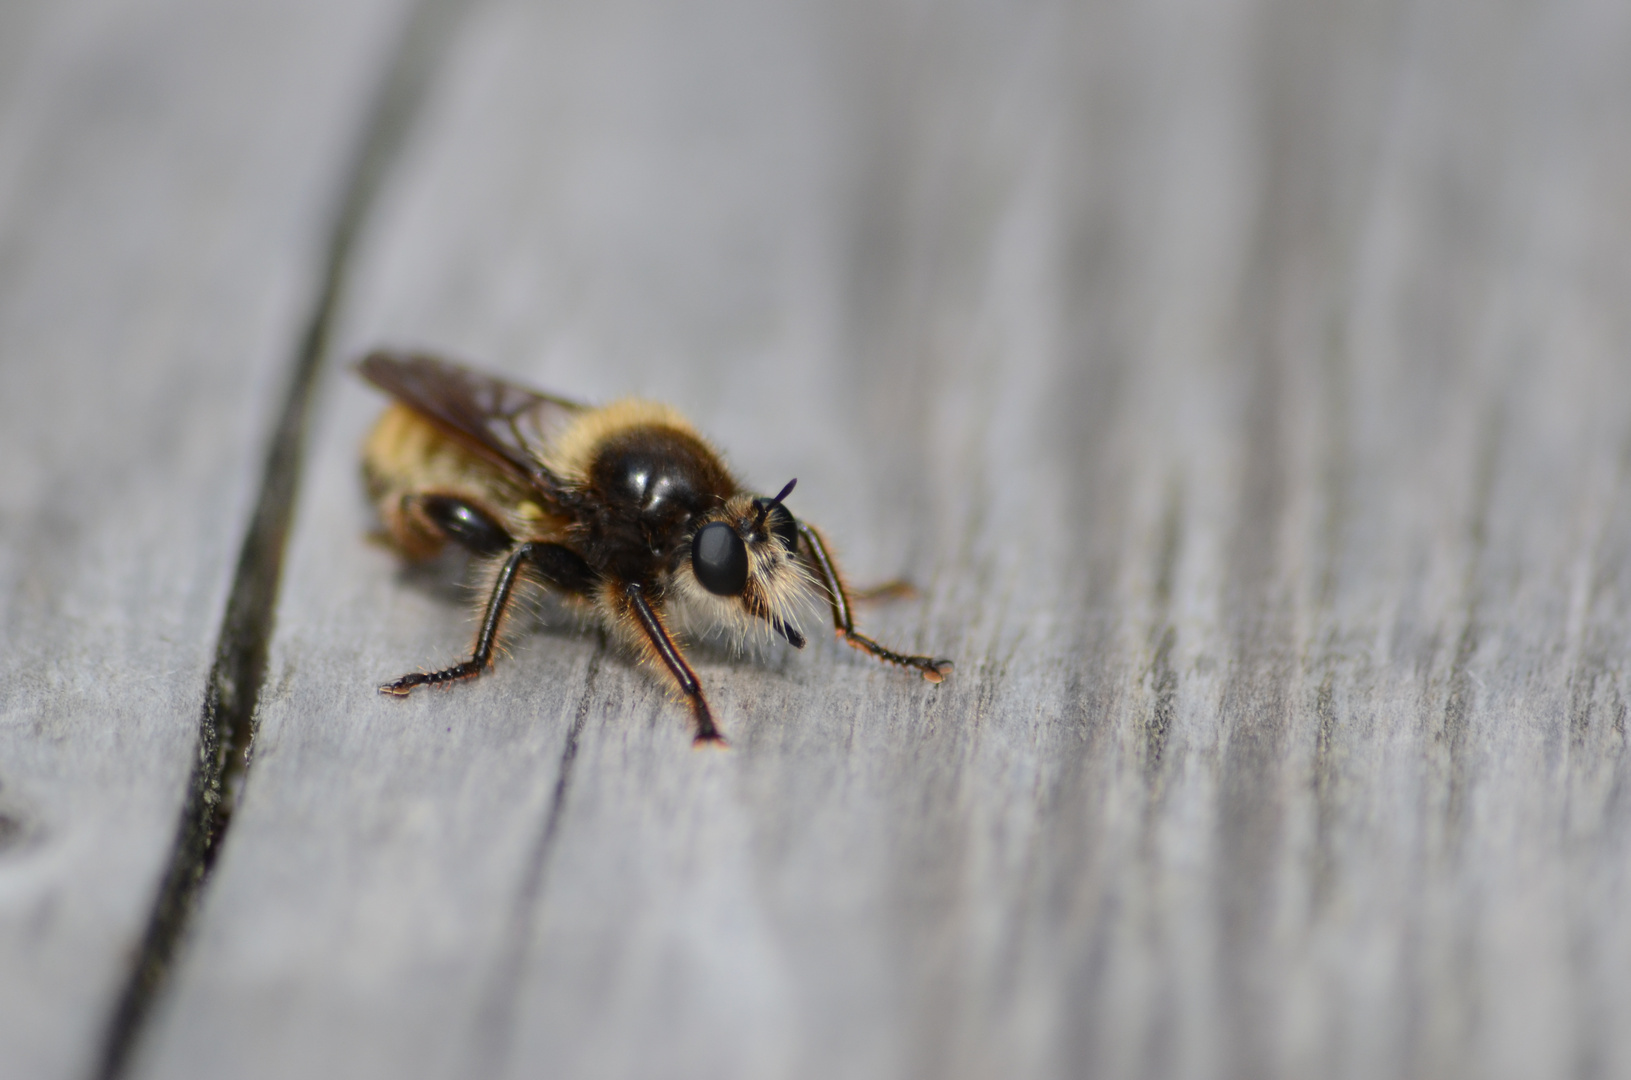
point(624, 510)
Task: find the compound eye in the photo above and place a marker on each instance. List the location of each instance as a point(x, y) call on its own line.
point(720, 559)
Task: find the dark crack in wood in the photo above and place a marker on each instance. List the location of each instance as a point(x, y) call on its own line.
point(227, 725)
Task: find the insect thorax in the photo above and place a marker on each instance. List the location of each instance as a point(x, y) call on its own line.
point(648, 483)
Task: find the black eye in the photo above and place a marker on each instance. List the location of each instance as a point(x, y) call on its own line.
point(720, 559)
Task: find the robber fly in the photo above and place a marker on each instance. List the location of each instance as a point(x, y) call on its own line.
point(624, 510)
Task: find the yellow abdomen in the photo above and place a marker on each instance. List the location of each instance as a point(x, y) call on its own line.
point(406, 454)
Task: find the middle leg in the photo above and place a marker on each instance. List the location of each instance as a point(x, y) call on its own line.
point(556, 565)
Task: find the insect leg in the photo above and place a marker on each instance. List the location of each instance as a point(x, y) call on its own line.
point(670, 653)
point(844, 621)
point(461, 521)
point(557, 566)
point(887, 591)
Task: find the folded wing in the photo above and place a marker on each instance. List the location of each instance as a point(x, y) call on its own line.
point(509, 425)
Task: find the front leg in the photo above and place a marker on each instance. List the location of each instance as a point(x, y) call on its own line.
point(844, 622)
point(556, 565)
point(663, 645)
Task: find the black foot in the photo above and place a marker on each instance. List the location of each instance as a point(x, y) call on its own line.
point(403, 686)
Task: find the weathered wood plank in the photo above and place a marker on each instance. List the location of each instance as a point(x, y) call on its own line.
point(166, 175)
point(1245, 384)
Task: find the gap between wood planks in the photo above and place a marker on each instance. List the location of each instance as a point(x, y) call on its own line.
point(226, 727)
point(496, 1020)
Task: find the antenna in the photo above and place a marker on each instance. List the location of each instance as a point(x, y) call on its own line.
point(765, 506)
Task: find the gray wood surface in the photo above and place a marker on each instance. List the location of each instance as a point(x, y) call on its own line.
point(166, 170)
point(1247, 387)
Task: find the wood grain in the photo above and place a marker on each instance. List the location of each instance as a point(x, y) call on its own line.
point(1246, 387)
point(164, 176)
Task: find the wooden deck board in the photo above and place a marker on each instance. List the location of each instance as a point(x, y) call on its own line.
point(1246, 386)
point(156, 253)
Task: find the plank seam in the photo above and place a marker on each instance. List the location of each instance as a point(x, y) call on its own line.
point(228, 719)
point(495, 1023)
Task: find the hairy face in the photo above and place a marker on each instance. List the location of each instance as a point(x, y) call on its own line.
point(742, 570)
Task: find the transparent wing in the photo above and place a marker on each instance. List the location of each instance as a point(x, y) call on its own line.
point(509, 425)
